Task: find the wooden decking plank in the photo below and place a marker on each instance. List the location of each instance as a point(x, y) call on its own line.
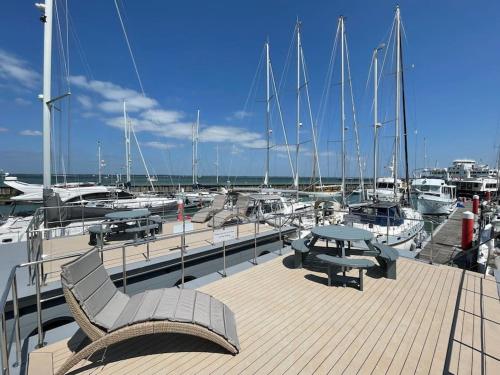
point(286, 323)
point(318, 328)
point(465, 357)
point(382, 361)
point(353, 357)
point(437, 347)
point(331, 345)
point(429, 325)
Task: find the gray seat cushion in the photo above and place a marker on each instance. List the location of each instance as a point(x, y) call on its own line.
point(180, 305)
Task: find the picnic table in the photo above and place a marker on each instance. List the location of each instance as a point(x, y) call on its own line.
point(135, 221)
point(342, 234)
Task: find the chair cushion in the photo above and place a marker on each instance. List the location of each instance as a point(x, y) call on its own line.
point(76, 270)
point(107, 317)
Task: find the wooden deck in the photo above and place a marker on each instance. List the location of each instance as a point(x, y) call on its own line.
point(113, 258)
point(432, 319)
point(447, 238)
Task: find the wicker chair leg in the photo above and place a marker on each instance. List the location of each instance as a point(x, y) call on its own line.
point(84, 353)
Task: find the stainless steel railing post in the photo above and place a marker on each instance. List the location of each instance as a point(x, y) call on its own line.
point(224, 274)
point(183, 249)
point(238, 222)
point(17, 330)
point(124, 267)
point(432, 240)
point(147, 239)
point(3, 344)
point(387, 238)
point(38, 306)
point(255, 243)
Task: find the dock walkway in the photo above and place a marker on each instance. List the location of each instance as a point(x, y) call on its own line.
point(432, 320)
point(447, 238)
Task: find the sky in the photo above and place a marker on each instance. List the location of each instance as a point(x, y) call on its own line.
point(207, 55)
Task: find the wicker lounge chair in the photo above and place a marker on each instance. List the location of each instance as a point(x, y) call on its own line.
point(108, 316)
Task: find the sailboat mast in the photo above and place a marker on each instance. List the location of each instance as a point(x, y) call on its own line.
point(405, 127)
point(342, 107)
point(47, 73)
point(195, 148)
point(217, 164)
point(128, 160)
point(99, 160)
point(375, 119)
point(298, 111)
point(268, 109)
point(193, 157)
point(398, 99)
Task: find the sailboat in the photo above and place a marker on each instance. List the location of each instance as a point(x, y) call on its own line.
point(390, 222)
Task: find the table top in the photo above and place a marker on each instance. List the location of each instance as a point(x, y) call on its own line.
point(131, 214)
point(341, 233)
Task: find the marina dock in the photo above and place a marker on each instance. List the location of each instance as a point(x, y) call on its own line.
point(445, 239)
point(432, 319)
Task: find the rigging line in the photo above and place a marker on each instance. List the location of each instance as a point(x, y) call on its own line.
point(320, 118)
point(60, 43)
point(316, 156)
point(142, 157)
point(253, 84)
point(67, 41)
point(288, 59)
point(129, 48)
point(79, 48)
point(282, 122)
point(355, 122)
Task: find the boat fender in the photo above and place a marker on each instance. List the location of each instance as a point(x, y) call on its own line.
point(413, 246)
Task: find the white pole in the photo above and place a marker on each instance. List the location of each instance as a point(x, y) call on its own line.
point(196, 147)
point(128, 160)
point(99, 159)
point(298, 112)
point(217, 164)
point(47, 72)
point(268, 109)
point(398, 89)
point(376, 124)
point(342, 111)
point(193, 156)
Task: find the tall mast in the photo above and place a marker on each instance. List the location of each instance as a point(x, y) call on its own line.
point(217, 164)
point(193, 157)
point(342, 111)
point(398, 99)
point(99, 160)
point(47, 73)
point(195, 148)
point(298, 111)
point(376, 124)
point(425, 153)
point(268, 109)
point(128, 160)
point(405, 127)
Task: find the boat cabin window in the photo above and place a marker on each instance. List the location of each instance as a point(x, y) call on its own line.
point(379, 215)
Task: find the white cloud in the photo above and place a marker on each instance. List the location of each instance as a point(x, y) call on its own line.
point(3, 130)
point(84, 101)
point(114, 95)
point(159, 145)
point(14, 69)
point(239, 115)
point(146, 115)
point(21, 101)
point(30, 133)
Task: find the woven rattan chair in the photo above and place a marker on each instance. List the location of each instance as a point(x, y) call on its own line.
point(108, 316)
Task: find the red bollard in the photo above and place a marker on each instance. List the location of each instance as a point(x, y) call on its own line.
point(475, 204)
point(487, 196)
point(180, 209)
point(467, 230)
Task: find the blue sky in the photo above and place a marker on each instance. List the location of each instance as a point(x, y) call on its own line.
point(204, 55)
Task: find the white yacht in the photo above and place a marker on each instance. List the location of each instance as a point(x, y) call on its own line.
point(433, 196)
point(391, 224)
point(385, 190)
point(472, 179)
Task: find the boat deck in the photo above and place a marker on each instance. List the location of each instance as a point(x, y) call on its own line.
point(432, 319)
point(113, 258)
point(446, 238)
